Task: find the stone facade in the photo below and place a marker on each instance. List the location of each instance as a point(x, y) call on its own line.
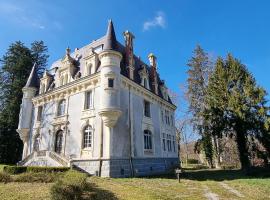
point(101, 110)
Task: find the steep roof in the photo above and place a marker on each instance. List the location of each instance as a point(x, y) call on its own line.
point(110, 41)
point(33, 79)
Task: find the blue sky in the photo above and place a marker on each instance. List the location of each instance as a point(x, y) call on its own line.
point(170, 29)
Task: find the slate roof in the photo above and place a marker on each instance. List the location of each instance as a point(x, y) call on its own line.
point(33, 79)
point(109, 42)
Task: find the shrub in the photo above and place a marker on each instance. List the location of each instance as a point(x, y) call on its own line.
point(70, 187)
point(192, 161)
point(14, 169)
point(47, 169)
point(5, 178)
point(40, 177)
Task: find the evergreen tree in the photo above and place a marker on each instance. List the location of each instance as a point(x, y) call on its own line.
point(16, 67)
point(237, 106)
point(198, 73)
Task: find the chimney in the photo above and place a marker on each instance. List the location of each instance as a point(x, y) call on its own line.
point(153, 72)
point(129, 53)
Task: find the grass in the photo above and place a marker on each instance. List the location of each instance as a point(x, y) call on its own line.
point(194, 185)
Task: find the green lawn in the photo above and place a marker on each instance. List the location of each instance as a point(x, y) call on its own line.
point(195, 184)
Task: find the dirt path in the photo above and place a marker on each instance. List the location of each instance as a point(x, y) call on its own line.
point(210, 195)
point(230, 189)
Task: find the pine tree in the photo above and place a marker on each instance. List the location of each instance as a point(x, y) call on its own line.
point(198, 73)
point(237, 106)
point(16, 67)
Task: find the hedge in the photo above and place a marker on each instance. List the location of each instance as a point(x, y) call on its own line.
point(5, 178)
point(70, 187)
point(22, 169)
point(39, 177)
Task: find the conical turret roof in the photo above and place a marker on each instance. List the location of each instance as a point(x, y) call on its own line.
point(33, 79)
point(110, 41)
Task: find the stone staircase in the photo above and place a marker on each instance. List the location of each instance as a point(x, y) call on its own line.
point(45, 158)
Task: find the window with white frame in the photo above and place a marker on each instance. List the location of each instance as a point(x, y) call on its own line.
point(110, 82)
point(61, 107)
point(88, 103)
point(58, 142)
point(169, 143)
point(87, 137)
point(147, 112)
point(173, 140)
point(148, 145)
point(162, 116)
point(164, 141)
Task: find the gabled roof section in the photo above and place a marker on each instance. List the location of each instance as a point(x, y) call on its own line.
point(33, 79)
point(110, 41)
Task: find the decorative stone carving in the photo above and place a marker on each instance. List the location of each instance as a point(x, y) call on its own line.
point(110, 116)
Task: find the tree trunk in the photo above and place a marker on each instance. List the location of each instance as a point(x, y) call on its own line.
point(215, 142)
point(242, 149)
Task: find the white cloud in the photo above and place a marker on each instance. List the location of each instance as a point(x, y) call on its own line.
point(26, 16)
point(157, 21)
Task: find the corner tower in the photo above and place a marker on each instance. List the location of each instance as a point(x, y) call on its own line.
point(110, 60)
point(29, 91)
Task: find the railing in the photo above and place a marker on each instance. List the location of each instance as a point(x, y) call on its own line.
point(56, 157)
point(26, 159)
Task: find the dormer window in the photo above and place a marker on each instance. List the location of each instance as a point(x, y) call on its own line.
point(89, 69)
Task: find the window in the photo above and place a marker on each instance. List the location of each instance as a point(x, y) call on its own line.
point(147, 109)
point(145, 83)
point(36, 143)
point(87, 137)
point(42, 89)
point(61, 107)
point(66, 79)
point(147, 140)
point(173, 143)
point(89, 69)
point(61, 80)
point(110, 82)
point(164, 142)
point(169, 143)
point(88, 100)
point(39, 114)
point(162, 116)
point(58, 141)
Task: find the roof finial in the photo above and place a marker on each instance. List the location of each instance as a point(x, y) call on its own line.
point(68, 51)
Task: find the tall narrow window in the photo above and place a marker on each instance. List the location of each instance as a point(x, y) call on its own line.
point(169, 143)
point(58, 141)
point(162, 116)
point(87, 138)
point(61, 107)
point(39, 113)
point(145, 83)
point(61, 80)
point(147, 140)
point(164, 142)
point(89, 69)
point(88, 100)
point(173, 143)
point(147, 112)
point(110, 82)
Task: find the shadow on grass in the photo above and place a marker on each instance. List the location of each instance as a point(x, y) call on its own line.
point(216, 175)
point(94, 192)
point(220, 175)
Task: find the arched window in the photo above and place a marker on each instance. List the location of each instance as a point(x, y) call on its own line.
point(148, 140)
point(61, 107)
point(87, 137)
point(58, 141)
point(36, 143)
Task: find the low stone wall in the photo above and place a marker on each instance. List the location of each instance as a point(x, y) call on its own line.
point(125, 167)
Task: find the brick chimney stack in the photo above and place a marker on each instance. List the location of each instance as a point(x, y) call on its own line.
point(129, 53)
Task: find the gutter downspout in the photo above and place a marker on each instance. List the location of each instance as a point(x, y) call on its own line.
point(101, 148)
point(130, 135)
